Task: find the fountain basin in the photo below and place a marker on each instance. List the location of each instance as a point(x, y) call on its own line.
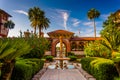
point(64, 58)
point(54, 67)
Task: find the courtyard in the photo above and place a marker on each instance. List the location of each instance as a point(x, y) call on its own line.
point(59, 40)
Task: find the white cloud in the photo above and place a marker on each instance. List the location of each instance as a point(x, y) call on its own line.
point(76, 22)
point(21, 12)
point(14, 32)
point(64, 14)
point(58, 17)
point(88, 24)
point(105, 16)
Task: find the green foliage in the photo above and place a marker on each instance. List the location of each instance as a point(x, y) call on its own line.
point(25, 69)
point(117, 78)
point(49, 58)
point(72, 58)
point(9, 24)
point(39, 46)
point(38, 19)
point(100, 68)
point(93, 13)
point(12, 48)
point(96, 49)
point(111, 38)
point(70, 54)
point(111, 33)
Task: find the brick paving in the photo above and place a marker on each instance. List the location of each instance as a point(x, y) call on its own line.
point(59, 74)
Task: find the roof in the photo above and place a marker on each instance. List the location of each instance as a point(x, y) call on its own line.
point(58, 33)
point(2, 11)
point(85, 38)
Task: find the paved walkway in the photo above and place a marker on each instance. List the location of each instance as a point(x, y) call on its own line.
point(67, 74)
point(58, 74)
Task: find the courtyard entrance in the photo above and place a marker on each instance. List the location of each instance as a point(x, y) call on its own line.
point(58, 50)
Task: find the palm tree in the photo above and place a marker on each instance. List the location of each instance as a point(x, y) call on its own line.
point(10, 49)
point(34, 15)
point(111, 40)
point(38, 19)
point(9, 24)
point(92, 14)
point(44, 23)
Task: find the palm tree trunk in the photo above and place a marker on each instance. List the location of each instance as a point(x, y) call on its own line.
point(39, 32)
point(117, 65)
point(35, 30)
point(6, 70)
point(94, 28)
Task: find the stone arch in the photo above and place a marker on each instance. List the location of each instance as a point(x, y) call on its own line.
point(54, 43)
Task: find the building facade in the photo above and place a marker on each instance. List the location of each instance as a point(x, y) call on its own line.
point(3, 18)
point(70, 43)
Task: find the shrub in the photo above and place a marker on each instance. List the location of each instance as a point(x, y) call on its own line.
point(49, 58)
point(96, 49)
point(72, 58)
point(39, 45)
point(117, 78)
point(25, 69)
point(100, 68)
point(70, 54)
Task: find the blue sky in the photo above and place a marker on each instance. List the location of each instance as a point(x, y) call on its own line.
point(68, 15)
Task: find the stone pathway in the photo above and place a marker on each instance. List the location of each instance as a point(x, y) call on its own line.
point(58, 74)
point(66, 74)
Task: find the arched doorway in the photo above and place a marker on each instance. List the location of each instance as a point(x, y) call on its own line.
point(57, 49)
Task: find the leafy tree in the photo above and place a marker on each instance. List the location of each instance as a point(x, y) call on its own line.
point(39, 46)
point(96, 49)
point(92, 14)
point(113, 19)
point(111, 37)
point(10, 49)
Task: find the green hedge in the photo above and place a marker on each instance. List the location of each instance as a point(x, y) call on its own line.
point(25, 69)
point(72, 58)
point(49, 58)
point(100, 68)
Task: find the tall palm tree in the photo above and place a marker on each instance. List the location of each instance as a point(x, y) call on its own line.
point(34, 15)
point(38, 19)
point(44, 23)
point(92, 14)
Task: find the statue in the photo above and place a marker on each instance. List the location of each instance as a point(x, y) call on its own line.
point(61, 55)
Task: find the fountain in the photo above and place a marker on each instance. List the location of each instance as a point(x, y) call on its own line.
point(61, 59)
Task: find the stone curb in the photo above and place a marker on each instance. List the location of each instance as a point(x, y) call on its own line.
point(85, 74)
